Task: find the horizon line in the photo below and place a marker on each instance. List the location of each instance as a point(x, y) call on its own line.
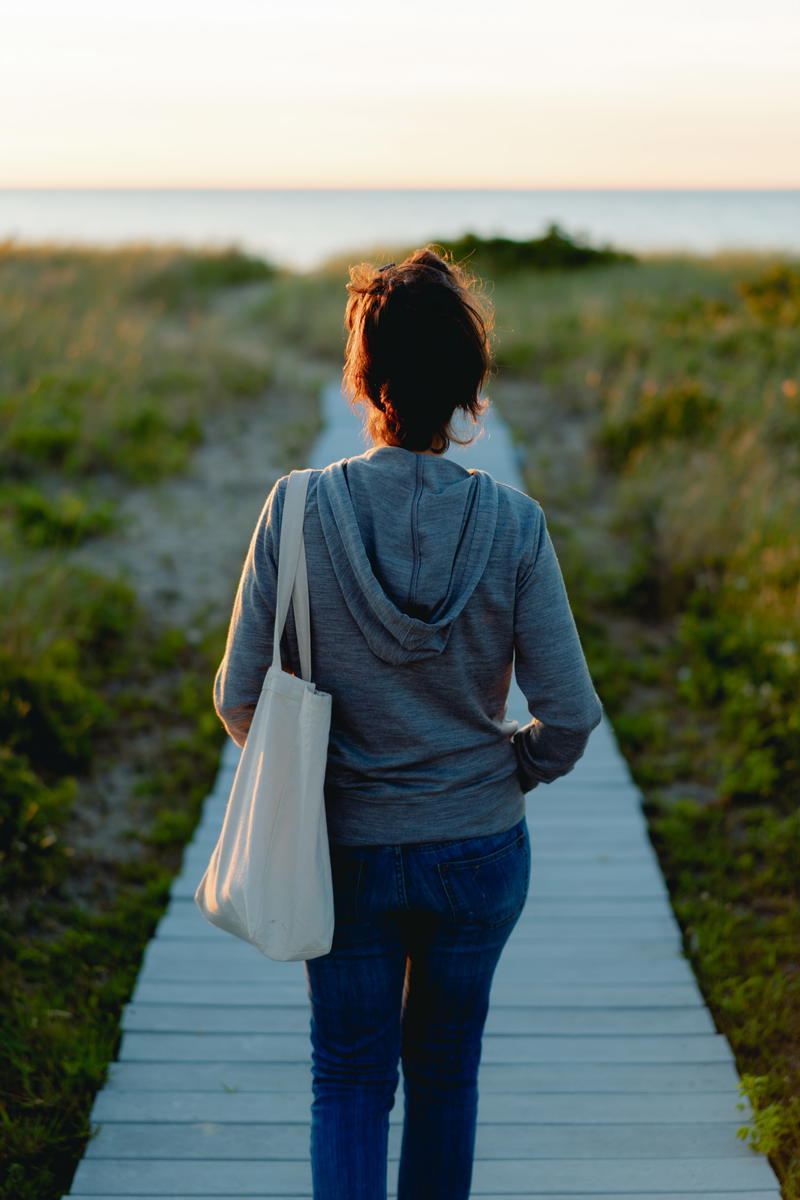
point(387, 187)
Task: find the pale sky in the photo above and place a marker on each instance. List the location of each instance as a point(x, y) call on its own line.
point(419, 93)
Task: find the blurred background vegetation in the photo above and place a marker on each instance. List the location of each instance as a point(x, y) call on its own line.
point(655, 403)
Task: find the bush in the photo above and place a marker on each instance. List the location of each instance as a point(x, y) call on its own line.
point(684, 410)
point(555, 251)
point(31, 814)
point(65, 520)
point(48, 714)
point(774, 296)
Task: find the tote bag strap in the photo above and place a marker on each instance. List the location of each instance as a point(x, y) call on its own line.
point(292, 572)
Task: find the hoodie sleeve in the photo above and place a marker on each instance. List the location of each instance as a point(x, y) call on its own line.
point(248, 652)
point(551, 670)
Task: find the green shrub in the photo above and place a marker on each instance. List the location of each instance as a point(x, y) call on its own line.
point(774, 296)
point(732, 874)
point(731, 663)
point(48, 713)
point(554, 251)
point(682, 410)
point(31, 814)
point(145, 444)
point(43, 421)
point(67, 519)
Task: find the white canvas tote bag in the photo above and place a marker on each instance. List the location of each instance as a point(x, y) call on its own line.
point(269, 877)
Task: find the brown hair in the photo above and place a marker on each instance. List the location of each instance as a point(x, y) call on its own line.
point(418, 349)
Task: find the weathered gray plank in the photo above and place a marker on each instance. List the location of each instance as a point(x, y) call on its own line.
point(636, 874)
point(187, 1178)
point(693, 1195)
point(622, 908)
point(590, 802)
point(532, 1078)
point(521, 963)
point(512, 979)
point(280, 1047)
point(532, 927)
point(511, 1019)
point(593, 801)
point(293, 991)
point(531, 931)
point(255, 1140)
point(543, 1108)
point(547, 879)
point(533, 924)
point(557, 842)
point(232, 952)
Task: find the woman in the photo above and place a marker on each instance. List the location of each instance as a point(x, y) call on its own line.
point(428, 582)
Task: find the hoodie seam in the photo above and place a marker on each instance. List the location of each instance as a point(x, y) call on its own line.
point(415, 572)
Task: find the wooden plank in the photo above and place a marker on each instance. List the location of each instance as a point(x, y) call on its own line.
point(592, 801)
point(555, 836)
point(547, 880)
point(531, 927)
point(540, 1108)
point(531, 1048)
point(656, 962)
point(180, 920)
point(632, 870)
point(513, 978)
point(233, 951)
point(188, 1178)
point(530, 1078)
point(254, 1140)
point(534, 925)
point(538, 994)
point(704, 1195)
point(556, 906)
point(176, 1018)
point(565, 848)
point(542, 937)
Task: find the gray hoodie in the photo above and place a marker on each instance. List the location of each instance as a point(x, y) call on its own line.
point(428, 584)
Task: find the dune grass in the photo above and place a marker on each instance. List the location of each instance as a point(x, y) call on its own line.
point(677, 529)
point(111, 363)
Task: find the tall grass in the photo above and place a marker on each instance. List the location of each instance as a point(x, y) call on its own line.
point(111, 364)
point(684, 377)
point(110, 361)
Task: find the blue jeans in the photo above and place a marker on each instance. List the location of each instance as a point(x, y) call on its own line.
point(419, 930)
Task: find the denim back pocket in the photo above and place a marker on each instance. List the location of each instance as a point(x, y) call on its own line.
point(492, 888)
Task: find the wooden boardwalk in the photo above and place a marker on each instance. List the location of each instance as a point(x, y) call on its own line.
point(602, 1072)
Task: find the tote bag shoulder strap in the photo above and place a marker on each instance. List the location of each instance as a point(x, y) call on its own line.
point(292, 572)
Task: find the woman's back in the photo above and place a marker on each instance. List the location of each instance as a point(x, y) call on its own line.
point(425, 578)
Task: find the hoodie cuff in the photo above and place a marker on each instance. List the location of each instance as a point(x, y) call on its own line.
point(546, 752)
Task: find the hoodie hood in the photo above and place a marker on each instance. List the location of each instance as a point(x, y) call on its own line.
point(409, 536)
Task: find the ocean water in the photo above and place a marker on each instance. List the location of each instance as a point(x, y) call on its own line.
point(300, 229)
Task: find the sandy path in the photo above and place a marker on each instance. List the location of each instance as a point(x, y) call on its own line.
point(182, 541)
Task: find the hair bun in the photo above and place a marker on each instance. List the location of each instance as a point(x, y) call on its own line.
point(428, 258)
point(418, 348)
